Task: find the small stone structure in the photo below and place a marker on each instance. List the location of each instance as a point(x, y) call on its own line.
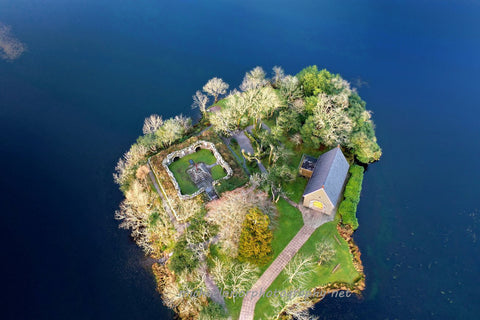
point(189, 150)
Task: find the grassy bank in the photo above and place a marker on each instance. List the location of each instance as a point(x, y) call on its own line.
point(320, 275)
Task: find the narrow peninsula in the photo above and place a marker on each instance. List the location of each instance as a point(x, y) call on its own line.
point(249, 213)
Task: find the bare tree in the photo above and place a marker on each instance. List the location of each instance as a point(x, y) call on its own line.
point(296, 139)
point(298, 270)
point(290, 88)
point(254, 79)
point(325, 252)
point(224, 121)
point(238, 106)
point(298, 105)
point(185, 293)
point(331, 119)
point(173, 129)
point(188, 208)
point(234, 276)
point(142, 172)
point(128, 161)
point(341, 84)
point(200, 101)
point(278, 75)
point(293, 306)
point(215, 87)
point(152, 124)
point(134, 213)
point(261, 102)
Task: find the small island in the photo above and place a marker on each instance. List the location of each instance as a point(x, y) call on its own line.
point(249, 213)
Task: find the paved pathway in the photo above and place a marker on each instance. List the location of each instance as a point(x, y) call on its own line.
point(267, 278)
point(241, 160)
point(213, 291)
point(311, 217)
point(246, 146)
point(312, 220)
point(264, 127)
point(243, 142)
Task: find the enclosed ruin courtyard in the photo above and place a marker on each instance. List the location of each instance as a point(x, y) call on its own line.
point(196, 168)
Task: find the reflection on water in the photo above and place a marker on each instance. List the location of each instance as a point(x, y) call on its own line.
point(10, 47)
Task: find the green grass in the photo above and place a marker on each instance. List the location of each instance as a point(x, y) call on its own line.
point(221, 103)
point(230, 184)
point(320, 274)
point(234, 307)
point(295, 188)
point(218, 172)
point(289, 222)
point(236, 147)
point(271, 122)
point(179, 169)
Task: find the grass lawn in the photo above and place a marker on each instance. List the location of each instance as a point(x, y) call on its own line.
point(289, 222)
point(179, 169)
point(321, 274)
point(221, 103)
point(295, 188)
point(271, 122)
point(218, 172)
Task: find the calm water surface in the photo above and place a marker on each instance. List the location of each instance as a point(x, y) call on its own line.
point(73, 102)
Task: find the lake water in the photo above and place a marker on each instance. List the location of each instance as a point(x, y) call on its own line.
point(75, 101)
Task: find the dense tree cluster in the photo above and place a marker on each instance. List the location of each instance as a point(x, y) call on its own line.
point(335, 114)
point(143, 214)
point(257, 101)
point(158, 134)
point(229, 212)
point(315, 107)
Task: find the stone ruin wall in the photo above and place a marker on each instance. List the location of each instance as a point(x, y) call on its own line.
point(189, 150)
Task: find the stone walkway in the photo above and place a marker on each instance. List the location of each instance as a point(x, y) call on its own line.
point(311, 221)
point(246, 146)
point(267, 278)
point(243, 142)
point(311, 217)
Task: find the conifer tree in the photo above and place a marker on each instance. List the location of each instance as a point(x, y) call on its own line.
point(256, 238)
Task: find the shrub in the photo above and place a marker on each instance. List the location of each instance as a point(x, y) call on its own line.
point(212, 311)
point(183, 259)
point(347, 210)
point(348, 207)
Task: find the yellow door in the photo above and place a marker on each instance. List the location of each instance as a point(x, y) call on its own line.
point(318, 205)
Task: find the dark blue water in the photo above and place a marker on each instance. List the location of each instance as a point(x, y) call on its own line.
point(73, 102)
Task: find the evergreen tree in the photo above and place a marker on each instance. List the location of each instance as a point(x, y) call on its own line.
point(256, 238)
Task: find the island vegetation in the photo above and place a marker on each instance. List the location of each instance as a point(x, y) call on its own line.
point(221, 241)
